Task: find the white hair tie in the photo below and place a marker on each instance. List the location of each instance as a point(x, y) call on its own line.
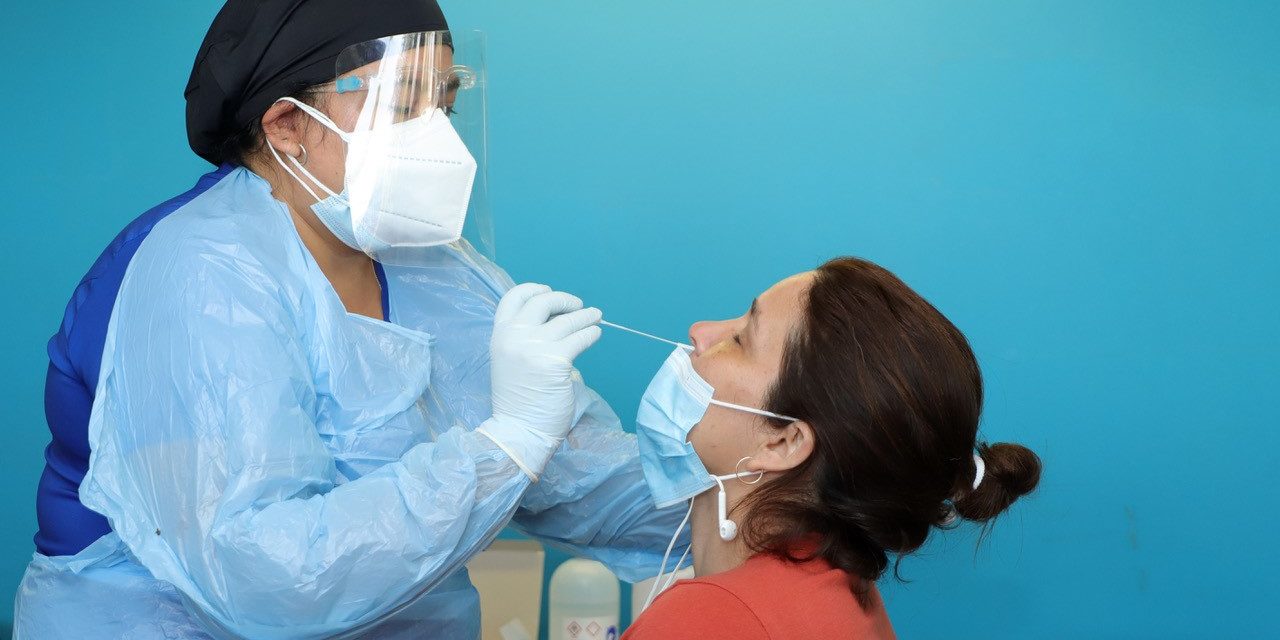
point(980, 471)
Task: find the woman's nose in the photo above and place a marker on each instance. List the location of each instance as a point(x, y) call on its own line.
point(706, 334)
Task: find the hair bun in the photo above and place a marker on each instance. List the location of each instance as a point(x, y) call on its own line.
point(1012, 471)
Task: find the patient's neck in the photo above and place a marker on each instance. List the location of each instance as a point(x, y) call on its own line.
point(710, 553)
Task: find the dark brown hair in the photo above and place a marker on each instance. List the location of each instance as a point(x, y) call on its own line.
point(893, 394)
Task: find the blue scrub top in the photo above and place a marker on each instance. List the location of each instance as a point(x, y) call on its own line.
point(75, 357)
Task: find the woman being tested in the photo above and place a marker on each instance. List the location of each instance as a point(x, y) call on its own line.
point(831, 426)
point(288, 403)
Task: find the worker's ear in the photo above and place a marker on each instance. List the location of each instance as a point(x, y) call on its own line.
point(281, 126)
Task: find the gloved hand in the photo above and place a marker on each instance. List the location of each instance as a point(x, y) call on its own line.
point(537, 333)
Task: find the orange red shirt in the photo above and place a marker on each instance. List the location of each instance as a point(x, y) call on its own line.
point(767, 598)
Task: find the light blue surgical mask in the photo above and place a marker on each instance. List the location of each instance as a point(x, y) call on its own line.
point(335, 212)
point(676, 400)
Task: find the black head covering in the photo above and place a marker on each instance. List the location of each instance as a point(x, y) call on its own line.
point(257, 51)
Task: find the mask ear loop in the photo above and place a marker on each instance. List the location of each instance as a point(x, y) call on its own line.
point(319, 116)
point(300, 181)
point(324, 120)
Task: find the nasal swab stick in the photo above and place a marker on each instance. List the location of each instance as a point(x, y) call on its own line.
point(647, 335)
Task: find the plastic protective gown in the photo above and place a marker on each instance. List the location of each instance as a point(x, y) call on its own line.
point(274, 467)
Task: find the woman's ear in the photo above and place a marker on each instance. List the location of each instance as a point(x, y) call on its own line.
point(784, 449)
point(280, 128)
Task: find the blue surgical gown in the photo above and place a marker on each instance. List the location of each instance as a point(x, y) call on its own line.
point(271, 466)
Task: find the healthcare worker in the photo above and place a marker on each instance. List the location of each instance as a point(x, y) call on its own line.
point(292, 402)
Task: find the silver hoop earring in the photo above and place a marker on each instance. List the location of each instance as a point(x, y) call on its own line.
point(303, 161)
point(739, 465)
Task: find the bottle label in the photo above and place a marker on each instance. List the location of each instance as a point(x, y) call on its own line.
point(589, 629)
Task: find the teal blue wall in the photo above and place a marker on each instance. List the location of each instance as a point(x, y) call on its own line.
point(1088, 189)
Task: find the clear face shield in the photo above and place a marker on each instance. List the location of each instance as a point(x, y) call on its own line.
point(416, 168)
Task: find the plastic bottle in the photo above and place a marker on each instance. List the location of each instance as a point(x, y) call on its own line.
point(584, 603)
